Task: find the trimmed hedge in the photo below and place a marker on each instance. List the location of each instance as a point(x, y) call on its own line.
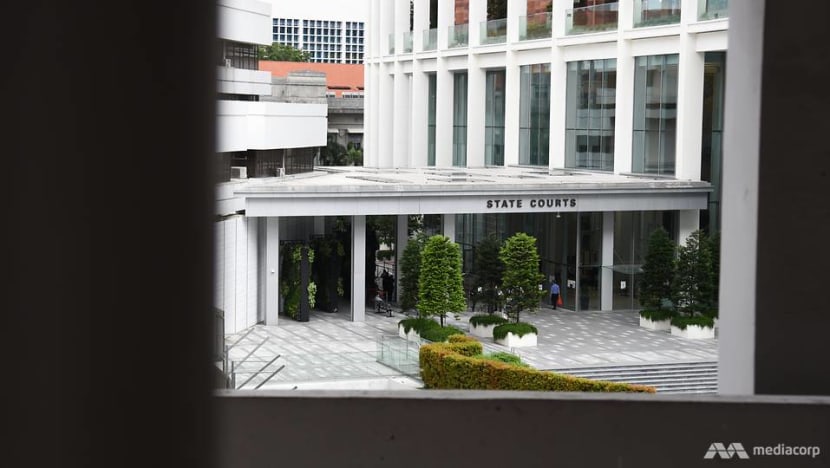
point(488, 319)
point(454, 365)
point(419, 324)
point(682, 322)
point(519, 329)
point(656, 314)
point(439, 334)
point(506, 358)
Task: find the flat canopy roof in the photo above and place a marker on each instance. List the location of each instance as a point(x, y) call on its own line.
point(339, 191)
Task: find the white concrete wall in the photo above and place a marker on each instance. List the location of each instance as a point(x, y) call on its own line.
point(689, 39)
point(235, 270)
point(247, 21)
point(338, 10)
point(240, 81)
point(243, 125)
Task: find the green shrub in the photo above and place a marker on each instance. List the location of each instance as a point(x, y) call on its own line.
point(506, 358)
point(682, 322)
point(455, 365)
point(656, 314)
point(419, 324)
point(519, 329)
point(488, 319)
point(439, 334)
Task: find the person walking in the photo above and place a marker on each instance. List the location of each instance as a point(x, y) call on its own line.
point(554, 293)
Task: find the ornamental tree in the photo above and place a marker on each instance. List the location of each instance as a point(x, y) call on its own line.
point(282, 53)
point(658, 271)
point(488, 273)
point(441, 287)
point(521, 279)
point(693, 284)
point(411, 272)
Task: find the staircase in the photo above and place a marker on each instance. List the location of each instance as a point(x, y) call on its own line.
point(688, 377)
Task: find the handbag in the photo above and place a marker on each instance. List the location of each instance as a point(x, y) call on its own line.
point(559, 301)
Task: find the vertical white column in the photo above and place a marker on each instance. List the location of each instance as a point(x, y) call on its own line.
point(420, 22)
point(448, 225)
point(476, 109)
point(739, 244)
point(515, 10)
point(512, 96)
point(400, 245)
point(689, 222)
point(443, 115)
point(624, 126)
point(607, 286)
point(358, 268)
point(689, 107)
point(420, 115)
point(476, 13)
point(272, 270)
point(400, 118)
point(446, 17)
point(371, 116)
point(385, 108)
point(558, 108)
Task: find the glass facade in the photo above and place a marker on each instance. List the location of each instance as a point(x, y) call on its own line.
point(459, 120)
point(632, 230)
point(655, 115)
point(714, 82)
point(656, 12)
point(432, 99)
point(534, 117)
point(494, 119)
point(591, 114)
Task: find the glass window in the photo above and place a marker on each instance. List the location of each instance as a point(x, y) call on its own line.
point(534, 118)
point(655, 114)
point(459, 120)
point(590, 114)
point(494, 119)
point(432, 99)
point(714, 81)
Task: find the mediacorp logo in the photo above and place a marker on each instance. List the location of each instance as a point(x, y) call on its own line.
point(733, 449)
point(736, 450)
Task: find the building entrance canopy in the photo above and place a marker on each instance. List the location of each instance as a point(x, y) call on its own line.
point(348, 191)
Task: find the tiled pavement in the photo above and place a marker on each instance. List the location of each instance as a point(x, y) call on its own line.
point(329, 347)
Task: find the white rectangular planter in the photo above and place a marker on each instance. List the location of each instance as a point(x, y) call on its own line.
point(411, 336)
point(661, 325)
point(515, 341)
point(694, 332)
point(482, 331)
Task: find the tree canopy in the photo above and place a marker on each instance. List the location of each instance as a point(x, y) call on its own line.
point(521, 280)
point(488, 273)
point(658, 271)
point(282, 53)
point(693, 282)
point(440, 286)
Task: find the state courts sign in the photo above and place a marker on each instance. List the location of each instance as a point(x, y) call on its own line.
point(525, 204)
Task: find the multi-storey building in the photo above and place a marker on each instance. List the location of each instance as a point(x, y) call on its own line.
point(331, 32)
point(266, 127)
point(586, 124)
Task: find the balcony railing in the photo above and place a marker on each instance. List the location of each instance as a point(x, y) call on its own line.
point(712, 9)
point(494, 31)
point(458, 36)
point(407, 42)
point(430, 39)
point(656, 12)
point(536, 26)
point(593, 18)
point(391, 43)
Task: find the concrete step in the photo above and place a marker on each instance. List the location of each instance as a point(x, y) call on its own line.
point(679, 378)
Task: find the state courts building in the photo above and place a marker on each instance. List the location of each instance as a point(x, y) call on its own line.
point(585, 123)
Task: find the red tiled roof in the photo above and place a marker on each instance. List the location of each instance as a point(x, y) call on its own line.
point(339, 76)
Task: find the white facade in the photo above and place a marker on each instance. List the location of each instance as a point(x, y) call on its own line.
point(243, 124)
point(396, 83)
point(331, 32)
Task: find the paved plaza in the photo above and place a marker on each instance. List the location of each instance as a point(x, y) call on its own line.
point(329, 348)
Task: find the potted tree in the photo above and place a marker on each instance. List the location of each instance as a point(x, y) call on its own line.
point(487, 283)
point(693, 289)
point(656, 286)
point(521, 284)
point(440, 287)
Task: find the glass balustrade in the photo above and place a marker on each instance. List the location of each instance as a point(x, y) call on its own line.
point(536, 26)
point(391, 44)
point(407, 42)
point(430, 39)
point(713, 9)
point(591, 19)
point(656, 12)
point(458, 36)
point(494, 32)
